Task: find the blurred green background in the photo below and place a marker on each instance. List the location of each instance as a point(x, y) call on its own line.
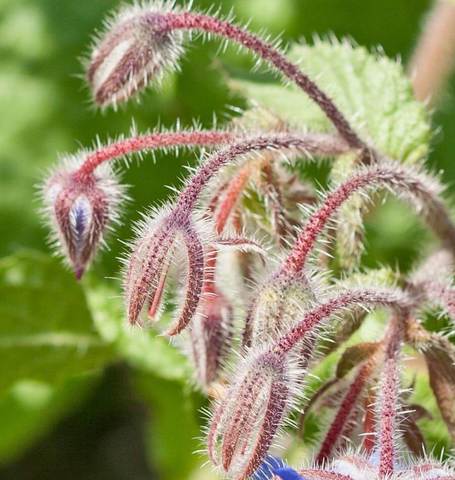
point(117, 425)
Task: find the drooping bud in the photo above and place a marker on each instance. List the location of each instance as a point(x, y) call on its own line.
point(145, 39)
point(211, 334)
point(147, 270)
point(80, 208)
point(134, 51)
point(163, 237)
point(245, 422)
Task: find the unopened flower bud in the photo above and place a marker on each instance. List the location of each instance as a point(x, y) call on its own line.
point(211, 335)
point(277, 305)
point(246, 421)
point(167, 240)
point(80, 209)
point(135, 50)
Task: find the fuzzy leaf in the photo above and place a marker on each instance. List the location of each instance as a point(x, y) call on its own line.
point(370, 89)
point(440, 356)
point(46, 332)
point(354, 355)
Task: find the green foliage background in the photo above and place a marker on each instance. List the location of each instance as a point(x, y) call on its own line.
point(61, 415)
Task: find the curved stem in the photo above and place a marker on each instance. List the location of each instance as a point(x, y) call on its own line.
point(308, 143)
point(392, 298)
point(212, 25)
point(153, 141)
point(418, 187)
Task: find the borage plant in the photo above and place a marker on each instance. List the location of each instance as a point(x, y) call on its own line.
point(252, 352)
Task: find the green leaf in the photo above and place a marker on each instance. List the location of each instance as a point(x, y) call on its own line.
point(46, 332)
point(369, 88)
point(141, 348)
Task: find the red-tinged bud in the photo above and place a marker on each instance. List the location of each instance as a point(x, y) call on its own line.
point(211, 335)
point(144, 40)
point(166, 240)
point(134, 51)
point(245, 422)
point(80, 209)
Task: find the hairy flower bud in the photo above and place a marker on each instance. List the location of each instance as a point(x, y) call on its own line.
point(80, 209)
point(275, 307)
point(211, 334)
point(134, 51)
point(168, 239)
point(245, 422)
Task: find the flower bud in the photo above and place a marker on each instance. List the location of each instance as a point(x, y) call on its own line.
point(246, 421)
point(276, 306)
point(211, 335)
point(136, 49)
point(80, 209)
point(168, 240)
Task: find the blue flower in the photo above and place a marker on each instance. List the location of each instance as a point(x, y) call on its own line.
point(287, 474)
point(275, 466)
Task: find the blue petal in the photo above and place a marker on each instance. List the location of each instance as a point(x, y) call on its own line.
point(287, 474)
point(268, 467)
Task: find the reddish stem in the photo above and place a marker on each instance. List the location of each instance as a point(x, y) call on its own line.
point(397, 178)
point(151, 142)
point(307, 143)
point(206, 23)
point(389, 402)
point(343, 415)
point(369, 424)
point(362, 297)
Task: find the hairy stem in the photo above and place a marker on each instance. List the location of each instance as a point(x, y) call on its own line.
point(419, 188)
point(389, 401)
point(308, 144)
point(225, 29)
point(153, 141)
point(392, 298)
